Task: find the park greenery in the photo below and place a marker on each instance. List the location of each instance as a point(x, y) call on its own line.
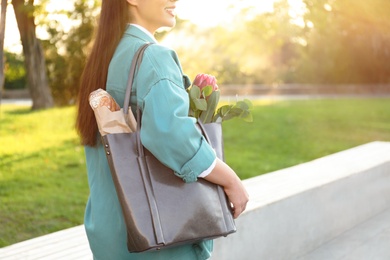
point(43, 180)
point(331, 42)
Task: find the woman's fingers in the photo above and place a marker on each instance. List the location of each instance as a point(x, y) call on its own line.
point(238, 197)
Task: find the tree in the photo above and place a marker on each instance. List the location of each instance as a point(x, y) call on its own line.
point(277, 36)
point(347, 42)
point(66, 51)
point(325, 42)
point(253, 49)
point(33, 55)
point(15, 72)
point(2, 34)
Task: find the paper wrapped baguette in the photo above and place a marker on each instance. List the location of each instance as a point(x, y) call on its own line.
point(109, 116)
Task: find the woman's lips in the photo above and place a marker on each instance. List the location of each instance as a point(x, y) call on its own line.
point(171, 10)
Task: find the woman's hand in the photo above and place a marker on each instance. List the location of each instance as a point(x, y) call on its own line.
point(238, 197)
point(224, 176)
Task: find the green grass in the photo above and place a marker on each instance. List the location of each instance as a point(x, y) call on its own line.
point(43, 182)
point(291, 132)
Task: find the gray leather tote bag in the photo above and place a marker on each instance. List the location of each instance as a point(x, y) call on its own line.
point(159, 209)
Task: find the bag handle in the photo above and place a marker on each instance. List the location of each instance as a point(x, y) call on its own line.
point(133, 67)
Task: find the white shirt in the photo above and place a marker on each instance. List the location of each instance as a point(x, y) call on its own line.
point(144, 30)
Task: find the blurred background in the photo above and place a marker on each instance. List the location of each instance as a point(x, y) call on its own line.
point(260, 47)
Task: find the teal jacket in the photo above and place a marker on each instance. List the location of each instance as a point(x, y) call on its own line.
point(167, 132)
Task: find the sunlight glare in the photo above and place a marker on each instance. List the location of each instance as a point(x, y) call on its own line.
point(204, 13)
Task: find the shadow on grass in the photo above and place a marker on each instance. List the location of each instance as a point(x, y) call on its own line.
point(9, 114)
point(17, 110)
point(7, 160)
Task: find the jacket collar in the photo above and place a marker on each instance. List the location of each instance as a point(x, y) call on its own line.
point(139, 33)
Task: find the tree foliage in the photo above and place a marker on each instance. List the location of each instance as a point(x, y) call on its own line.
point(332, 41)
point(327, 42)
point(66, 52)
point(262, 49)
point(347, 42)
point(15, 72)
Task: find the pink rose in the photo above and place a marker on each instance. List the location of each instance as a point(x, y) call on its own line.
point(204, 80)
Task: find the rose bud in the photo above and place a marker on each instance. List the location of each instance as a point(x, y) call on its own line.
point(204, 80)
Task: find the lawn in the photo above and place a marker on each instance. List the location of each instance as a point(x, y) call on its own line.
point(43, 183)
point(287, 133)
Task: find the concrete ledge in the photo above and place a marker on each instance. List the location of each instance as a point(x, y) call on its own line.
point(295, 210)
point(68, 244)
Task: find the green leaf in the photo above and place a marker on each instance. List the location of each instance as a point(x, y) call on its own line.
point(212, 103)
point(249, 103)
point(200, 104)
point(247, 116)
point(196, 102)
point(194, 92)
point(240, 110)
point(207, 91)
point(229, 116)
point(224, 110)
point(243, 105)
point(236, 111)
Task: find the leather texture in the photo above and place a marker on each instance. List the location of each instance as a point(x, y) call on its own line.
point(160, 210)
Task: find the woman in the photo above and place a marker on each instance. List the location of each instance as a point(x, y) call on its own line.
point(167, 131)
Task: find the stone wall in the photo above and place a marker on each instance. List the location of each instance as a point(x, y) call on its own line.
point(295, 210)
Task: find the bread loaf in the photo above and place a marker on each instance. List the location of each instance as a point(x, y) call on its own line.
point(100, 98)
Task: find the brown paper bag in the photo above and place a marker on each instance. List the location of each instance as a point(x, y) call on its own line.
point(109, 116)
point(110, 122)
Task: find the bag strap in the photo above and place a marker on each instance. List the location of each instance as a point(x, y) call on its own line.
point(133, 67)
point(203, 131)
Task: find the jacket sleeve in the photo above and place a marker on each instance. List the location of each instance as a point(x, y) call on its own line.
point(167, 131)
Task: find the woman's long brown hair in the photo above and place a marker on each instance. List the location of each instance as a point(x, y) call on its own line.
point(113, 20)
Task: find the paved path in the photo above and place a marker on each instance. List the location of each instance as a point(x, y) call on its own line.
point(368, 241)
point(25, 102)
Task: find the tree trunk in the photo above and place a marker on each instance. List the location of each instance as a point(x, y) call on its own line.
point(33, 55)
point(2, 34)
